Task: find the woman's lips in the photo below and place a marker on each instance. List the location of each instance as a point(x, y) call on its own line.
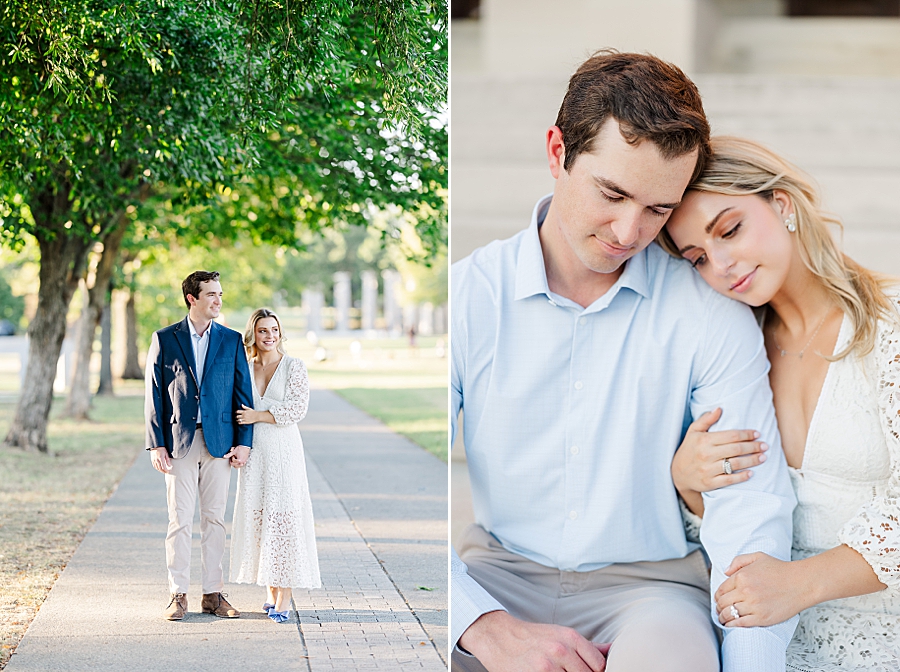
point(743, 284)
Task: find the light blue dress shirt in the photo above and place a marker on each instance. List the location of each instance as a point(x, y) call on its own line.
point(572, 416)
point(200, 345)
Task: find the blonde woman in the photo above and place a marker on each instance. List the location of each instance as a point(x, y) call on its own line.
point(751, 225)
point(273, 543)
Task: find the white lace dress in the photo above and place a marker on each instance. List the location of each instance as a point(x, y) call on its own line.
point(273, 542)
point(848, 492)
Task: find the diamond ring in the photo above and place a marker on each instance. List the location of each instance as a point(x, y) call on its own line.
point(734, 612)
point(726, 466)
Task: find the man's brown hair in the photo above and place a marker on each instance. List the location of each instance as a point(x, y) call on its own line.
point(191, 284)
point(651, 99)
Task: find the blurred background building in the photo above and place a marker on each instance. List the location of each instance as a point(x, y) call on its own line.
point(816, 80)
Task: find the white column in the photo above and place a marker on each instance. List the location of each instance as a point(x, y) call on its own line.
point(369, 299)
point(426, 319)
point(393, 319)
point(313, 300)
point(342, 301)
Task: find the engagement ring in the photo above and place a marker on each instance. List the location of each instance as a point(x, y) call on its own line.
point(726, 466)
point(734, 612)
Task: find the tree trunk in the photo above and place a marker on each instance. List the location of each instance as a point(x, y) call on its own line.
point(106, 379)
point(62, 258)
point(133, 369)
point(78, 402)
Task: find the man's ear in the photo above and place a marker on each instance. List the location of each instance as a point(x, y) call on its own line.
point(191, 299)
point(556, 151)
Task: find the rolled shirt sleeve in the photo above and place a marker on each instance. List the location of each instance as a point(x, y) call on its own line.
point(755, 515)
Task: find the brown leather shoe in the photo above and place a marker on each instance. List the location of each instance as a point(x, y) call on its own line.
point(215, 603)
point(177, 607)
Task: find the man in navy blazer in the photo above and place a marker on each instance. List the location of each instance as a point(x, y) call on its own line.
point(197, 377)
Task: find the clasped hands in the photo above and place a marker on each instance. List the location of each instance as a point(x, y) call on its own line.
point(238, 456)
point(503, 643)
point(159, 458)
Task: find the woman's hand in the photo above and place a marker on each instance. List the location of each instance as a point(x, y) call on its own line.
point(247, 416)
point(699, 463)
point(763, 591)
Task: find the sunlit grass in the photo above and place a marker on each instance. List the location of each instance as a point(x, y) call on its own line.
point(48, 502)
point(405, 387)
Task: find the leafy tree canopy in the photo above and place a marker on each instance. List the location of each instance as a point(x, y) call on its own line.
point(310, 112)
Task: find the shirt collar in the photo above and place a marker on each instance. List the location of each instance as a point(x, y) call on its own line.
point(193, 331)
point(531, 274)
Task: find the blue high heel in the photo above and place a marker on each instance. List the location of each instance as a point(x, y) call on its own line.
point(268, 607)
point(279, 616)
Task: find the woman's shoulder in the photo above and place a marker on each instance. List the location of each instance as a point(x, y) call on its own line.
point(292, 364)
point(891, 321)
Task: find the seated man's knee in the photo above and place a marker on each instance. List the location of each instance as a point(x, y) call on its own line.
point(666, 638)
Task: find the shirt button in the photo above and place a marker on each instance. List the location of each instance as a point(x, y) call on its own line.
point(583, 320)
point(578, 385)
point(573, 450)
point(573, 515)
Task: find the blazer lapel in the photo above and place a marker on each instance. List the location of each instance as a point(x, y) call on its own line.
point(215, 339)
point(183, 336)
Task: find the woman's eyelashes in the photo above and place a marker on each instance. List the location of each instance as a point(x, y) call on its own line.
point(730, 233)
point(733, 230)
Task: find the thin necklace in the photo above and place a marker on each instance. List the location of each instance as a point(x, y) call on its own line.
point(800, 354)
point(265, 366)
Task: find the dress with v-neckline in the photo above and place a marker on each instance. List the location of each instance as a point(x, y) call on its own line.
point(843, 337)
point(273, 541)
point(846, 465)
point(262, 394)
point(848, 492)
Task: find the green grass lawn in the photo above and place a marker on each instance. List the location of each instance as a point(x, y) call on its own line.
point(420, 414)
point(404, 387)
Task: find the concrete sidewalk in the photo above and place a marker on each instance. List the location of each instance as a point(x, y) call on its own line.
point(380, 505)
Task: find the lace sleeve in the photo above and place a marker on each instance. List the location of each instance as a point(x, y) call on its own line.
point(874, 532)
point(296, 401)
point(691, 522)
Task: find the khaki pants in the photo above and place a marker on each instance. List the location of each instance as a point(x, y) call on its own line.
point(656, 614)
point(197, 471)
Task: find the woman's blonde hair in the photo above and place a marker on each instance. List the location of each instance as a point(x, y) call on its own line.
point(738, 167)
point(250, 332)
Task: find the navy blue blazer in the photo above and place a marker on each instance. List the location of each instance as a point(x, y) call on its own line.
point(173, 395)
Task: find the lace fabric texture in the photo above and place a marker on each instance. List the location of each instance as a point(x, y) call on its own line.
point(273, 539)
point(848, 492)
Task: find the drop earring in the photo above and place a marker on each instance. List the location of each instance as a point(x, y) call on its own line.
point(791, 222)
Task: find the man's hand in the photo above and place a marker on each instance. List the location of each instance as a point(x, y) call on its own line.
point(159, 458)
point(238, 456)
point(503, 643)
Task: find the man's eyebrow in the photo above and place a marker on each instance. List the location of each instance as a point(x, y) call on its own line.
point(709, 228)
point(612, 186)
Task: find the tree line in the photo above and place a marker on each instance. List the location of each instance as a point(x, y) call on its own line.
point(125, 125)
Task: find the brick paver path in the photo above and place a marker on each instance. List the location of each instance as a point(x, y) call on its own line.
point(104, 613)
